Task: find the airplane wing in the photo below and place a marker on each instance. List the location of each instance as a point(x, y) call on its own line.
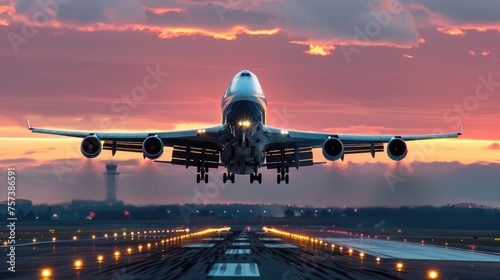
point(188, 144)
point(295, 147)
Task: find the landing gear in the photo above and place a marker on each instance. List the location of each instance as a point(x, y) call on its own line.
point(256, 177)
point(202, 173)
point(227, 176)
point(283, 174)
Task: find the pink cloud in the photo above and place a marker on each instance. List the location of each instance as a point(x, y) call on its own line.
point(495, 146)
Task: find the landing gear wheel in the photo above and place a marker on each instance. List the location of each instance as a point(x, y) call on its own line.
point(198, 178)
point(278, 178)
point(252, 178)
point(198, 169)
point(224, 178)
point(232, 178)
point(286, 179)
point(278, 169)
point(286, 169)
point(259, 178)
point(206, 178)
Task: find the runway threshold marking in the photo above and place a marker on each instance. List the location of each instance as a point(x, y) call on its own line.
point(269, 239)
point(239, 252)
point(235, 270)
point(213, 239)
point(280, 246)
point(206, 245)
point(240, 244)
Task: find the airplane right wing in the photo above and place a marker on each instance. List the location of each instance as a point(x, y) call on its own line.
point(295, 147)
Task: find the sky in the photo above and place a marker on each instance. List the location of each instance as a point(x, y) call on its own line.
point(362, 66)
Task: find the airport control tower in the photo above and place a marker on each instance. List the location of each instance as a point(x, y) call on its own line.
point(111, 182)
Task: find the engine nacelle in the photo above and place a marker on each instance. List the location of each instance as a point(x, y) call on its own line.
point(91, 146)
point(396, 149)
point(152, 147)
point(333, 149)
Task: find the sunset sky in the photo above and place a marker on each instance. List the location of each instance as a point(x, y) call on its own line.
point(362, 66)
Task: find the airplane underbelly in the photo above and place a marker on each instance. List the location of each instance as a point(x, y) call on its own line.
point(243, 158)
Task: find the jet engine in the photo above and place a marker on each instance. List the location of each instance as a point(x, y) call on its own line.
point(152, 147)
point(333, 149)
point(396, 149)
point(91, 146)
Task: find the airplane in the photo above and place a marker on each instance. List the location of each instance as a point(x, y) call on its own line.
point(243, 143)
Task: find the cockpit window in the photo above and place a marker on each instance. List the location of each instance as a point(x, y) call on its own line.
point(245, 74)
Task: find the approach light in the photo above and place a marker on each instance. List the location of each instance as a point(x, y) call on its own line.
point(399, 266)
point(78, 264)
point(100, 258)
point(433, 274)
point(46, 273)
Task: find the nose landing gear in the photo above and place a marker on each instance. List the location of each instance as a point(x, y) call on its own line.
point(256, 177)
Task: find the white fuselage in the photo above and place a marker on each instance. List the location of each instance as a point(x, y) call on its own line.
point(244, 113)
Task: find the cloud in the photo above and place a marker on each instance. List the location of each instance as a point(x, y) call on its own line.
point(485, 53)
point(495, 146)
point(471, 52)
point(453, 31)
point(456, 16)
point(408, 56)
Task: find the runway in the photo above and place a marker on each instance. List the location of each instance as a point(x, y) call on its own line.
point(225, 253)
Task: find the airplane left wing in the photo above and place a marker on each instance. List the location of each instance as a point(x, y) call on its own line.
point(189, 145)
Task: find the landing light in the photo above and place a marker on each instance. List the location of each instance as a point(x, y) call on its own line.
point(100, 258)
point(399, 266)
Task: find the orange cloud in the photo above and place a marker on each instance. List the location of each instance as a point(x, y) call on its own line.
point(471, 52)
point(314, 49)
point(408, 56)
point(452, 31)
point(161, 11)
point(485, 53)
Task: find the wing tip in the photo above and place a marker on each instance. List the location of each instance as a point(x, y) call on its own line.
point(461, 129)
point(28, 124)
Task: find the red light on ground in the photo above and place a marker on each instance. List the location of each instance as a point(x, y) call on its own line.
point(92, 214)
point(126, 213)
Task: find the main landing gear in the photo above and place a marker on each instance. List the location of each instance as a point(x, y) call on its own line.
point(227, 176)
point(282, 174)
point(202, 174)
point(256, 177)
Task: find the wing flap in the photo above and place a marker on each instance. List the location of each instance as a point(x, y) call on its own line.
point(192, 156)
point(293, 157)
